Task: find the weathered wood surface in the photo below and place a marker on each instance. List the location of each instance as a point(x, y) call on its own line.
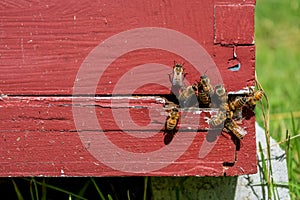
point(43, 46)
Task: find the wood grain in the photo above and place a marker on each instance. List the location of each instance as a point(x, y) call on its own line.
point(47, 115)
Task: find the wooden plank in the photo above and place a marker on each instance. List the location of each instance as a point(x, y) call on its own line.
point(234, 24)
point(42, 43)
point(62, 154)
point(37, 124)
point(38, 81)
point(113, 113)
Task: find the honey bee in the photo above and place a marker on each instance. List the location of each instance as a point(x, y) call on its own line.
point(172, 119)
point(254, 97)
point(178, 74)
point(221, 92)
point(205, 91)
point(204, 99)
point(186, 96)
point(222, 97)
point(204, 84)
point(218, 120)
point(176, 78)
point(238, 103)
point(232, 126)
point(170, 125)
point(236, 106)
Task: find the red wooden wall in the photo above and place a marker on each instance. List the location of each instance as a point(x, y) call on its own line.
point(69, 70)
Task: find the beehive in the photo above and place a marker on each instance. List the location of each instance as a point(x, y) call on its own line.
point(83, 86)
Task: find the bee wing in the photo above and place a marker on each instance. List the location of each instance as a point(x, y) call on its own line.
point(171, 77)
point(240, 130)
point(168, 137)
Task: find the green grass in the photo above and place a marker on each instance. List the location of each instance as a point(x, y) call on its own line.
point(277, 40)
point(76, 188)
point(278, 54)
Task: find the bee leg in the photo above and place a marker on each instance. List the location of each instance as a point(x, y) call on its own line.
point(170, 78)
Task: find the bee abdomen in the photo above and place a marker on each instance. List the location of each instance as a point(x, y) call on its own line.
point(218, 120)
point(238, 103)
point(171, 124)
point(204, 98)
point(240, 133)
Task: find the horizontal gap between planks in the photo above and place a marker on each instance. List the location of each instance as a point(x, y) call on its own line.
point(3, 96)
point(233, 45)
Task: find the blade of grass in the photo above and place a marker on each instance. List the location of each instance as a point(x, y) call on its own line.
point(84, 188)
point(19, 195)
point(266, 121)
point(33, 184)
point(296, 186)
point(145, 187)
point(177, 192)
point(295, 131)
point(294, 161)
point(31, 190)
point(264, 170)
point(128, 195)
point(291, 138)
point(44, 190)
point(109, 197)
point(44, 184)
point(97, 188)
point(288, 156)
point(261, 177)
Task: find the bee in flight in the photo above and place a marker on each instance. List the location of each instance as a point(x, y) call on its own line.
point(232, 126)
point(171, 124)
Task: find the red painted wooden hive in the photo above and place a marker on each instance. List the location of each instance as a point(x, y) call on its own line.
point(84, 86)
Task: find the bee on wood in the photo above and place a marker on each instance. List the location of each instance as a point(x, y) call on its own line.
point(218, 120)
point(177, 77)
point(187, 97)
point(222, 101)
point(205, 91)
point(254, 97)
point(222, 97)
point(221, 93)
point(236, 106)
point(238, 103)
point(172, 119)
point(232, 126)
point(204, 85)
point(170, 125)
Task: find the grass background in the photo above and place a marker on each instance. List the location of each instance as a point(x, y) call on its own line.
point(277, 38)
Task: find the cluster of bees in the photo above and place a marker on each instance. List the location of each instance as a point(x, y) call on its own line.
point(203, 95)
